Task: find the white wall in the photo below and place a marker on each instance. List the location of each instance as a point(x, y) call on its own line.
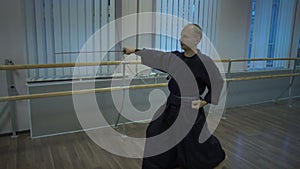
point(4, 119)
point(12, 37)
point(233, 31)
point(130, 7)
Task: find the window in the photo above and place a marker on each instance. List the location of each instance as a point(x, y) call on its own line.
point(271, 33)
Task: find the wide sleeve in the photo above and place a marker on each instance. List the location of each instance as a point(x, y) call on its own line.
point(156, 59)
point(214, 81)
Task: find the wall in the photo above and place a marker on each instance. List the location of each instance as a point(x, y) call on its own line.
point(241, 93)
point(12, 47)
point(52, 116)
point(130, 7)
point(233, 31)
point(4, 118)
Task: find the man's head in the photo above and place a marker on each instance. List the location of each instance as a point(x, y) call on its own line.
point(190, 36)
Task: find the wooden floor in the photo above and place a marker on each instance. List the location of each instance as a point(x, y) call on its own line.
point(263, 136)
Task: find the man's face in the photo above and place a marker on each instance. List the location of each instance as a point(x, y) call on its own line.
point(188, 40)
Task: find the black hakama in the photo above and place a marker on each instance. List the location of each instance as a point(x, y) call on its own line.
point(188, 153)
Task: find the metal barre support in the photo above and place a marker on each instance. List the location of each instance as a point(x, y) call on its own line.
point(227, 86)
point(122, 105)
point(292, 78)
point(11, 89)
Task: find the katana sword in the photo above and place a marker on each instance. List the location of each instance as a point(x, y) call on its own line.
point(102, 51)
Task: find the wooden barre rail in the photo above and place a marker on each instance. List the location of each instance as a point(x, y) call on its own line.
point(261, 77)
point(77, 92)
point(255, 59)
point(62, 65)
point(109, 89)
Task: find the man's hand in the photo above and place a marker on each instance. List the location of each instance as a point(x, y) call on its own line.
point(128, 51)
point(197, 104)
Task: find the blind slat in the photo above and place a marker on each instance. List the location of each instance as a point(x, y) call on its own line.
point(57, 34)
point(40, 34)
point(49, 36)
point(74, 29)
point(65, 17)
point(30, 36)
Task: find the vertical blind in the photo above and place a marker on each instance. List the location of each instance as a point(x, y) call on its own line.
point(271, 32)
point(55, 26)
point(202, 12)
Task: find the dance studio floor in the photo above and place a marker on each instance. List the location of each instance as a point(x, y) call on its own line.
point(262, 136)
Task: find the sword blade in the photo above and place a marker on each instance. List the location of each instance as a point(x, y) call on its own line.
point(110, 51)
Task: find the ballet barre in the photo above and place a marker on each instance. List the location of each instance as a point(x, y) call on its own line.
point(63, 65)
point(105, 63)
point(77, 92)
point(13, 94)
point(111, 89)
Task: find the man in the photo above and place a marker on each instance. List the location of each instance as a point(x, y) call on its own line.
point(191, 74)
